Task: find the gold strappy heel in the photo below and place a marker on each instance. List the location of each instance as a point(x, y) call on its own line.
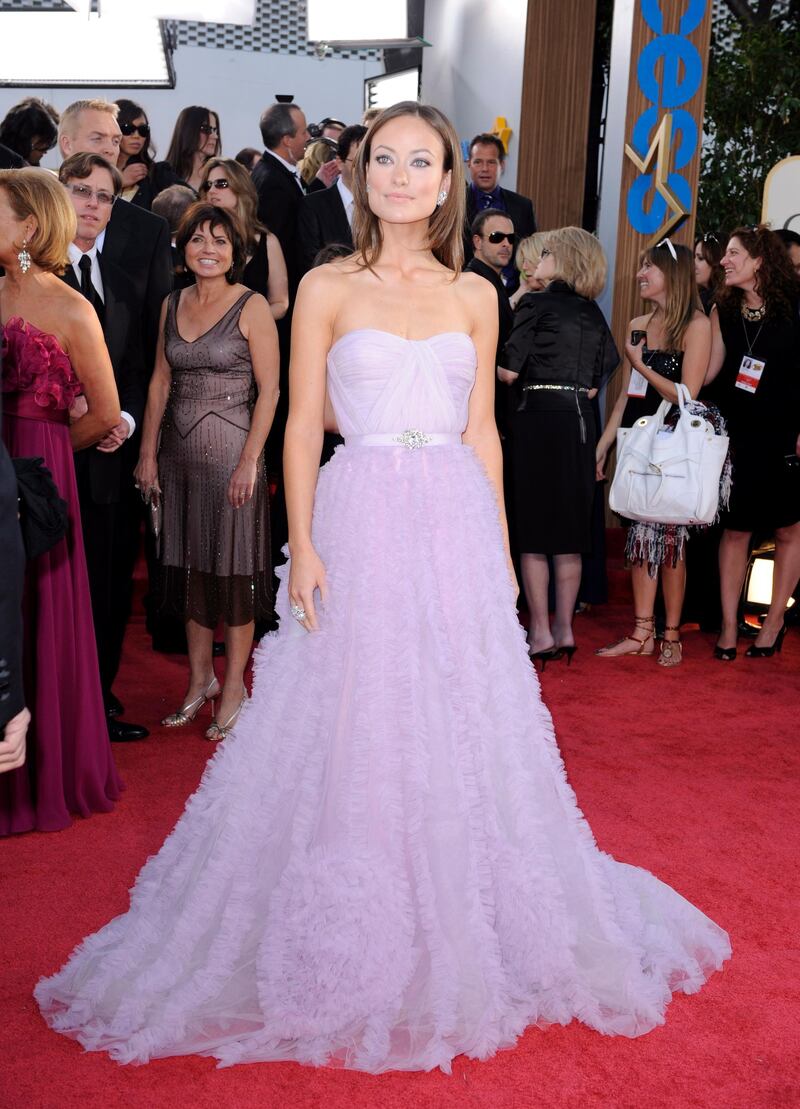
point(643, 623)
point(187, 713)
point(671, 649)
point(217, 731)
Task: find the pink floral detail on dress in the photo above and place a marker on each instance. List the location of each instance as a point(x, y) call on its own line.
point(34, 362)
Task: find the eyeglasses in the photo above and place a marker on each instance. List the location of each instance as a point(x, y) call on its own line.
point(217, 183)
point(710, 237)
point(84, 192)
point(545, 253)
point(669, 245)
point(207, 129)
point(496, 237)
point(142, 129)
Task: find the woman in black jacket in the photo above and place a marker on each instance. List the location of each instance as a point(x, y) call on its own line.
point(562, 349)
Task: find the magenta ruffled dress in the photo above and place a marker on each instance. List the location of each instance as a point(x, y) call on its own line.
point(384, 865)
point(70, 768)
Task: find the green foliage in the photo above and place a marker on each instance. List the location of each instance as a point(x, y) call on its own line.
point(752, 114)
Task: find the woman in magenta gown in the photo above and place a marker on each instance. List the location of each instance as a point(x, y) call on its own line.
point(52, 350)
point(384, 865)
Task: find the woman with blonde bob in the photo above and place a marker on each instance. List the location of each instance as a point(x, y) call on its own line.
point(384, 866)
point(669, 344)
point(227, 184)
point(53, 350)
point(528, 256)
point(561, 349)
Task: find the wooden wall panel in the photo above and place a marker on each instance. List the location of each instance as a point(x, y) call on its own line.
point(556, 90)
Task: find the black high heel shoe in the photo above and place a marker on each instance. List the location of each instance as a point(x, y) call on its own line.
point(568, 651)
point(725, 654)
point(550, 654)
point(753, 651)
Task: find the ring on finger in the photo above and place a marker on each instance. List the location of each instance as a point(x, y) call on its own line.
point(298, 612)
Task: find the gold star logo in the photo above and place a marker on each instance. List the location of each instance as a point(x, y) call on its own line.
point(660, 151)
point(502, 131)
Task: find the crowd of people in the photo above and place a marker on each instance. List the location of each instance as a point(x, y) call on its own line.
point(146, 312)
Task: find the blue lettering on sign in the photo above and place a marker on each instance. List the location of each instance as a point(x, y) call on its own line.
point(669, 71)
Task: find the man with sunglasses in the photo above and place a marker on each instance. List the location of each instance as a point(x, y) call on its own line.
point(104, 473)
point(493, 242)
point(135, 239)
point(487, 159)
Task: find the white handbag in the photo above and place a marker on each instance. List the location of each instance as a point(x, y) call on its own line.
point(669, 475)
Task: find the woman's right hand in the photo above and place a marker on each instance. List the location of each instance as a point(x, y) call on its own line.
point(146, 477)
point(133, 174)
point(306, 574)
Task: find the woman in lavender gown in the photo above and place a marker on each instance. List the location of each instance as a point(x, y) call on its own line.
point(384, 865)
point(53, 350)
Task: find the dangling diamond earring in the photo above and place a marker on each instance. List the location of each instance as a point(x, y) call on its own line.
point(441, 198)
point(24, 257)
point(367, 188)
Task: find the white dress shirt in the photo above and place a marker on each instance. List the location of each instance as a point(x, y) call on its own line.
point(292, 169)
point(347, 199)
point(75, 255)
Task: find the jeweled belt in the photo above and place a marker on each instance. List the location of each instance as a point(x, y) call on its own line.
point(412, 439)
point(559, 388)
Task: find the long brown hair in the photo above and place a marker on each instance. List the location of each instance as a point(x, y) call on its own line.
point(245, 192)
point(446, 223)
point(185, 139)
point(683, 299)
point(776, 282)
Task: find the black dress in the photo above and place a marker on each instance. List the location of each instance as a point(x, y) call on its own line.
point(256, 272)
point(764, 425)
point(561, 347)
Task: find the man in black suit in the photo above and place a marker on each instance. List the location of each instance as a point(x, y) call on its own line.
point(493, 242)
point(278, 182)
point(487, 159)
point(105, 473)
point(14, 717)
point(326, 217)
point(135, 239)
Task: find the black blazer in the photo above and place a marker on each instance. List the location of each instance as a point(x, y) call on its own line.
point(12, 570)
point(123, 339)
point(321, 220)
point(560, 338)
point(138, 242)
point(279, 201)
point(518, 209)
point(505, 311)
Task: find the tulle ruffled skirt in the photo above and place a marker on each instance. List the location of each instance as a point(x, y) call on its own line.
point(384, 865)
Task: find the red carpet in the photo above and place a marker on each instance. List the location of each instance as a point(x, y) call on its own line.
point(692, 773)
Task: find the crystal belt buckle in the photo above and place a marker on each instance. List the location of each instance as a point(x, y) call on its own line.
point(413, 439)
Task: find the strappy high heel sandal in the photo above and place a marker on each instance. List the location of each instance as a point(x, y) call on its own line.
point(217, 731)
point(186, 713)
point(671, 649)
point(642, 623)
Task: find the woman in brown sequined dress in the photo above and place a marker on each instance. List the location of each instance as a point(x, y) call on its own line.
point(211, 402)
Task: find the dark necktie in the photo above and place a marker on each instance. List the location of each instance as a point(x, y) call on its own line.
point(87, 286)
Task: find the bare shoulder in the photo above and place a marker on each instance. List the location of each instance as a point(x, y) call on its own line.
point(639, 323)
point(71, 308)
point(699, 324)
point(477, 293)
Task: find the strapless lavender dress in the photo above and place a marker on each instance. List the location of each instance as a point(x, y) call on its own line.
point(384, 865)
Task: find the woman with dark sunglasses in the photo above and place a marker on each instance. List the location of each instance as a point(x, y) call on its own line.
point(135, 161)
point(226, 184)
point(195, 139)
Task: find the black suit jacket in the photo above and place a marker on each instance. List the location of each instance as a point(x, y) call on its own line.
point(321, 220)
point(504, 309)
point(279, 201)
point(138, 242)
point(123, 338)
point(12, 570)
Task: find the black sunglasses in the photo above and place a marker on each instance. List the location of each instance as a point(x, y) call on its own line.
point(142, 129)
point(496, 237)
point(217, 183)
point(208, 129)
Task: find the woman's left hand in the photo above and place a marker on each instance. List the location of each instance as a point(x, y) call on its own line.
point(242, 484)
point(635, 353)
